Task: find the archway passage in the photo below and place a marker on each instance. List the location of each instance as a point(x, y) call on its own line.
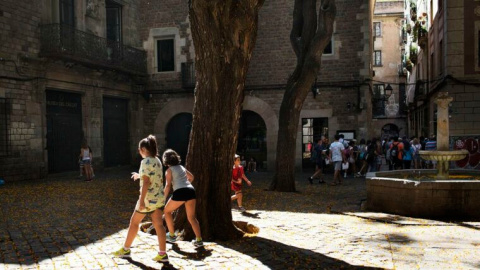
point(178, 133)
point(390, 130)
point(252, 142)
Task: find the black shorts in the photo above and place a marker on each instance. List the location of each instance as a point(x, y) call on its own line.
point(184, 194)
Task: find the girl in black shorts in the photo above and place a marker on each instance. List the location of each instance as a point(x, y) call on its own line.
point(183, 193)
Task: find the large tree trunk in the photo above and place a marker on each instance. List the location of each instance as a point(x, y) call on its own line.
point(309, 37)
point(224, 34)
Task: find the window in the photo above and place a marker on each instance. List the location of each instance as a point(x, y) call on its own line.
point(377, 58)
point(377, 29)
point(440, 58)
point(165, 55)
point(3, 127)
point(329, 48)
point(378, 99)
point(114, 21)
point(67, 14)
point(378, 90)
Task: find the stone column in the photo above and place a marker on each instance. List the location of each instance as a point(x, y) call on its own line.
point(443, 130)
point(443, 133)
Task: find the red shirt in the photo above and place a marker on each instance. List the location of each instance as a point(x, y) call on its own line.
point(237, 172)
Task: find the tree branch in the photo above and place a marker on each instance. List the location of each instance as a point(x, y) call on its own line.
point(309, 23)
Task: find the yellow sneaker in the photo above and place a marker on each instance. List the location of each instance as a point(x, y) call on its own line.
point(161, 258)
point(122, 253)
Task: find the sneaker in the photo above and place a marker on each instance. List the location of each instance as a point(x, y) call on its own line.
point(197, 243)
point(122, 253)
point(171, 239)
point(161, 258)
point(310, 180)
point(241, 209)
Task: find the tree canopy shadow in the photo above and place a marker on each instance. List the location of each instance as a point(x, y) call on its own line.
point(199, 254)
point(276, 255)
point(165, 266)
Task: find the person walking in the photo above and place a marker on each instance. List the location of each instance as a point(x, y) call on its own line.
point(337, 157)
point(319, 150)
point(151, 199)
point(408, 153)
point(180, 179)
point(238, 175)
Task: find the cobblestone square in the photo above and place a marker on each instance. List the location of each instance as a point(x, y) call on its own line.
point(66, 223)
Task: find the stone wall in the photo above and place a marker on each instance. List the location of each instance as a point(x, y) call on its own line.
point(25, 77)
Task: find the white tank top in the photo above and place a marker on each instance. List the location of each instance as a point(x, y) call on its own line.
point(179, 177)
point(86, 154)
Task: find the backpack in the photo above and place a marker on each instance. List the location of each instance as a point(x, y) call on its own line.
point(394, 153)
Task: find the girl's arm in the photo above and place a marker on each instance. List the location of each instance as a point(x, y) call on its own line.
point(146, 185)
point(168, 177)
point(246, 180)
point(189, 176)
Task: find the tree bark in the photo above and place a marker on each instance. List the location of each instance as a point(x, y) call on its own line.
point(309, 37)
point(224, 34)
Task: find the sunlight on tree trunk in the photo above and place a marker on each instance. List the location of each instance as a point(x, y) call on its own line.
point(224, 34)
point(309, 37)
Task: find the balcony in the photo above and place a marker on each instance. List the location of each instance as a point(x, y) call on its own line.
point(64, 42)
point(188, 75)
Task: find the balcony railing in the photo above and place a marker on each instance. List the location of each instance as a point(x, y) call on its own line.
point(188, 75)
point(64, 42)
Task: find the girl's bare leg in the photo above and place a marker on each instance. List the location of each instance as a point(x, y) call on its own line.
point(190, 208)
point(169, 208)
point(133, 228)
point(158, 224)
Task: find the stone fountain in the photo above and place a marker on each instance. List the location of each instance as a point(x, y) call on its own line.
point(443, 155)
point(440, 193)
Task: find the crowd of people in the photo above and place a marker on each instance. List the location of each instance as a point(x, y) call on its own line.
point(347, 158)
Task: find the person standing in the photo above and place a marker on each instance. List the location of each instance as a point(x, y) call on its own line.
point(408, 153)
point(431, 145)
point(416, 157)
point(337, 157)
point(396, 154)
point(86, 156)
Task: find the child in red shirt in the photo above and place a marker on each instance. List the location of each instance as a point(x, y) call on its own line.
point(237, 175)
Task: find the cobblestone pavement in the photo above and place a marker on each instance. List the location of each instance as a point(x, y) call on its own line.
point(65, 223)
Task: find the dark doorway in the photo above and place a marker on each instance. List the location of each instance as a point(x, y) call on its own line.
point(390, 130)
point(64, 130)
point(312, 130)
point(116, 150)
point(178, 134)
point(252, 142)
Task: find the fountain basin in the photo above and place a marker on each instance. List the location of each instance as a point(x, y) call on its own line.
point(416, 193)
point(444, 155)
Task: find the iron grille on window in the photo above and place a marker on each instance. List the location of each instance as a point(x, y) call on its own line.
point(377, 58)
point(377, 29)
point(65, 42)
point(379, 100)
point(3, 127)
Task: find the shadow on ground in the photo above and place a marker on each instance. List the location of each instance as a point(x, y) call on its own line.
point(277, 255)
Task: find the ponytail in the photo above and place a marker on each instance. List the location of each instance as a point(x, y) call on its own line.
point(149, 143)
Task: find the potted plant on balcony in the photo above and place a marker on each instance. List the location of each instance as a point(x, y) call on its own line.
point(408, 65)
point(413, 53)
point(422, 37)
point(415, 31)
point(409, 28)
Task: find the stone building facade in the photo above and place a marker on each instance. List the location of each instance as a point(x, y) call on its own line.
point(449, 62)
point(112, 72)
point(341, 101)
point(65, 77)
point(389, 80)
